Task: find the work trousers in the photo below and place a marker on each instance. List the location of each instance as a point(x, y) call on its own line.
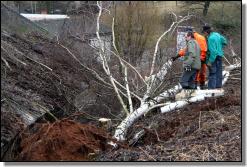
point(215, 74)
point(187, 80)
point(201, 74)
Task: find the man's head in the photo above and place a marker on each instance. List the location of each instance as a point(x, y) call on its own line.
point(206, 30)
point(189, 35)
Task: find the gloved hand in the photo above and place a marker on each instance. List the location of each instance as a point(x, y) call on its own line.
point(187, 68)
point(175, 57)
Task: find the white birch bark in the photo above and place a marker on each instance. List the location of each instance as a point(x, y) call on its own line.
point(155, 79)
point(121, 130)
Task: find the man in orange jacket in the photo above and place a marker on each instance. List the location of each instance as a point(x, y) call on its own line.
point(201, 74)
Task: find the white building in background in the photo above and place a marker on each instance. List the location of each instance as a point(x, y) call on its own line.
point(50, 22)
point(38, 17)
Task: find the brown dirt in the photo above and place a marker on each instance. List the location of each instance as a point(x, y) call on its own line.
point(63, 140)
point(187, 121)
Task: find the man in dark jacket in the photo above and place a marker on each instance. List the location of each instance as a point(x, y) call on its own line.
point(191, 62)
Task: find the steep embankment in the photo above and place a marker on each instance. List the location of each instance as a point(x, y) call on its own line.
point(37, 78)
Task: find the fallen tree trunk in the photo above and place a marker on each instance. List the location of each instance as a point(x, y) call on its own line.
point(121, 130)
point(144, 108)
point(200, 95)
point(154, 80)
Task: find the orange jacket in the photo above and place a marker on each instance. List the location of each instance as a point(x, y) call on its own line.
point(201, 40)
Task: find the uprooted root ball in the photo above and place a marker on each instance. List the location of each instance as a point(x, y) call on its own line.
point(63, 140)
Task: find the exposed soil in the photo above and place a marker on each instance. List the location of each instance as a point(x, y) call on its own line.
point(63, 140)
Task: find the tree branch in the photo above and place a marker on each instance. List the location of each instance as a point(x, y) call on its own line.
point(104, 62)
point(125, 68)
point(95, 74)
